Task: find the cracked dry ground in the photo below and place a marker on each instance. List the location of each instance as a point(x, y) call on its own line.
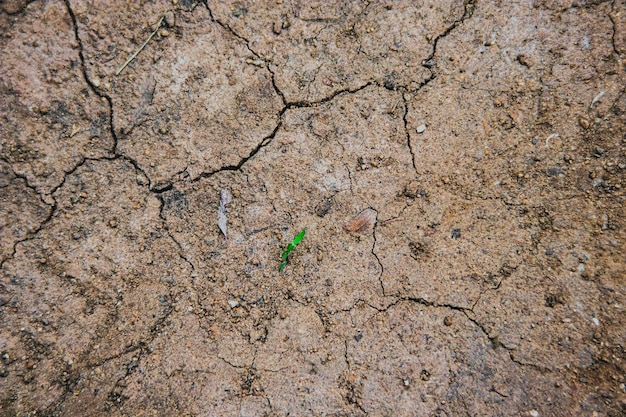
point(486, 140)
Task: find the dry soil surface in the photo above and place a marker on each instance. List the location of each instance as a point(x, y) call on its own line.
point(459, 166)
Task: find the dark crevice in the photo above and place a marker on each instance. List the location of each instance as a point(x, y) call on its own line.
point(117, 154)
point(373, 251)
point(275, 86)
point(54, 206)
point(305, 104)
point(23, 177)
point(614, 30)
point(167, 185)
point(287, 104)
point(406, 131)
point(116, 393)
point(256, 150)
point(252, 51)
point(83, 66)
point(31, 235)
point(108, 99)
point(468, 313)
point(536, 367)
point(468, 10)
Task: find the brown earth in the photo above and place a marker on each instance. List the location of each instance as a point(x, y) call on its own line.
point(483, 143)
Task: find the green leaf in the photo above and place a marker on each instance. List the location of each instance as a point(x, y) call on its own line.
point(282, 265)
point(299, 237)
point(289, 248)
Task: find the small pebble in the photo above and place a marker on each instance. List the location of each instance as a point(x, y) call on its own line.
point(448, 321)
point(113, 223)
point(96, 82)
point(595, 321)
point(170, 19)
point(584, 123)
point(164, 33)
point(421, 128)
point(534, 413)
point(233, 303)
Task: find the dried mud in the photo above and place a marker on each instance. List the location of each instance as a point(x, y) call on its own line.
point(459, 166)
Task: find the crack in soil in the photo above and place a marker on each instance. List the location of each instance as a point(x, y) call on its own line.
point(406, 131)
point(373, 251)
point(495, 342)
point(614, 29)
point(109, 100)
point(162, 187)
point(428, 63)
point(116, 395)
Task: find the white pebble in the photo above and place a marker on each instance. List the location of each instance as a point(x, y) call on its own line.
point(595, 321)
point(233, 303)
point(421, 128)
point(534, 413)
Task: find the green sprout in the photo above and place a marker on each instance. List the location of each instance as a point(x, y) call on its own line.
point(291, 247)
